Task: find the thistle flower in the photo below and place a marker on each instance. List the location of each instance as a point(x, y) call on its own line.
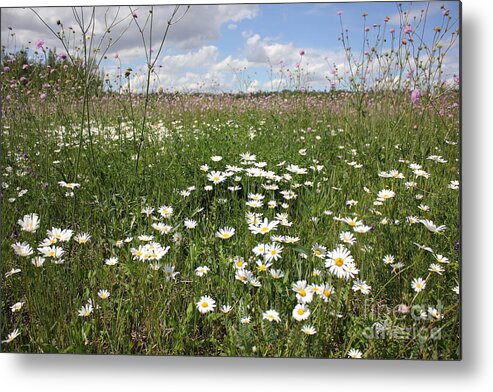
point(39, 44)
point(415, 96)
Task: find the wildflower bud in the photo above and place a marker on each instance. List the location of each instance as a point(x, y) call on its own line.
point(403, 308)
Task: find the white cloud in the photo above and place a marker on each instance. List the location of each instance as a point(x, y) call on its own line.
point(231, 64)
point(200, 25)
point(253, 86)
point(191, 60)
point(204, 57)
point(413, 12)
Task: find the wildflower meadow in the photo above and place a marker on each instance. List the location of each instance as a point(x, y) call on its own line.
point(303, 217)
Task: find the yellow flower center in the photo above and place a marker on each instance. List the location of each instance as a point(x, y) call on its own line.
point(302, 292)
point(216, 178)
point(301, 312)
point(226, 235)
point(262, 267)
point(318, 252)
point(264, 229)
point(339, 261)
point(352, 223)
point(327, 293)
point(51, 253)
point(204, 304)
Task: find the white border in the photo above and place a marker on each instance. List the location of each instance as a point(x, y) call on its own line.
point(119, 373)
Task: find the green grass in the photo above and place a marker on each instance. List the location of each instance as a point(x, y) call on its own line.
point(146, 313)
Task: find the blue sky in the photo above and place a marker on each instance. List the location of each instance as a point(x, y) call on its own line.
point(230, 47)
